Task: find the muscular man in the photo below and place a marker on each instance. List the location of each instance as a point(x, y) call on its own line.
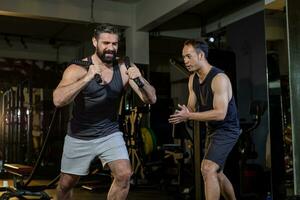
point(210, 100)
point(93, 129)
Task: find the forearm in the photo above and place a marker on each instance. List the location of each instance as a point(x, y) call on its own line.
point(64, 95)
point(148, 92)
point(211, 115)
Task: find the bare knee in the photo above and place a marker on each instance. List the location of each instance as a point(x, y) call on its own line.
point(123, 177)
point(221, 177)
point(67, 182)
point(209, 169)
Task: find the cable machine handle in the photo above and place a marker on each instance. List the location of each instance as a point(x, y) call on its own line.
point(137, 80)
point(86, 65)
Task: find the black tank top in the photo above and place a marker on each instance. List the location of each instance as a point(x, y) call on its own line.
point(205, 96)
point(95, 109)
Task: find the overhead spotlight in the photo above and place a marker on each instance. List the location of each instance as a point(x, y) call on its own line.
point(211, 39)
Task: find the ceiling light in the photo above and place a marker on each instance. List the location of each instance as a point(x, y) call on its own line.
point(211, 39)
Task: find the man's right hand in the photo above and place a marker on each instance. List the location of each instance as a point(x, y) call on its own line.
point(93, 70)
point(179, 116)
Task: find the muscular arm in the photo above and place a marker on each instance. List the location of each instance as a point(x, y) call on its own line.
point(221, 88)
point(74, 79)
point(147, 93)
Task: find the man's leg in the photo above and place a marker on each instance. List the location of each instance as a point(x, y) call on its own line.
point(121, 171)
point(65, 185)
point(210, 176)
point(226, 187)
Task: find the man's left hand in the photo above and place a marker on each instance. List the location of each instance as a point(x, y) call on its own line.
point(133, 72)
point(180, 115)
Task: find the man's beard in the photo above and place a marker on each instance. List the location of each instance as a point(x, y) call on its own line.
point(107, 59)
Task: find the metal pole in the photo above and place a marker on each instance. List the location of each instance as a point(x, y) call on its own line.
point(4, 131)
point(11, 108)
point(18, 123)
point(197, 161)
point(30, 121)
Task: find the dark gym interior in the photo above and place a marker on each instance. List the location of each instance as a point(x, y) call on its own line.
point(255, 42)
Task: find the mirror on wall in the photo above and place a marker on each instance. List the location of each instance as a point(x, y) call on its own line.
point(280, 157)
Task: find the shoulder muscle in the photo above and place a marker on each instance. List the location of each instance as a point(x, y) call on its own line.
point(71, 74)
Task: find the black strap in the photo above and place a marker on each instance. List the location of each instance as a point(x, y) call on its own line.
point(137, 80)
point(90, 59)
point(42, 152)
point(86, 65)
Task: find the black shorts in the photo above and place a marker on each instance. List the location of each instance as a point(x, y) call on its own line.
point(218, 145)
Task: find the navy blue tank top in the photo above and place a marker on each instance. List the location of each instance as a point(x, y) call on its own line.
point(205, 96)
point(95, 109)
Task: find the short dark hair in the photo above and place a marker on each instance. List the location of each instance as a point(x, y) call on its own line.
point(106, 28)
point(199, 45)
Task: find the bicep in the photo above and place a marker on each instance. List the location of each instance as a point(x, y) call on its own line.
point(221, 90)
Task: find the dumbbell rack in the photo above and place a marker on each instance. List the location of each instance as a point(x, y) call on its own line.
point(134, 143)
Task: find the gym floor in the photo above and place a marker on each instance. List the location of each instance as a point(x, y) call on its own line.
point(80, 193)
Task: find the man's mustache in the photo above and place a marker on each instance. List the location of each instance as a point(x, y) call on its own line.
point(110, 52)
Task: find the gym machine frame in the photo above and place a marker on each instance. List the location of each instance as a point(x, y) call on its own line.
point(20, 172)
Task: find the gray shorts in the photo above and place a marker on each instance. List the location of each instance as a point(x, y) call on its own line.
point(78, 154)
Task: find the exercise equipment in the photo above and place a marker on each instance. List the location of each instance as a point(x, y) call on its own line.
point(176, 174)
point(246, 145)
point(86, 65)
point(17, 123)
point(250, 173)
point(133, 143)
point(141, 142)
point(154, 139)
point(147, 141)
point(137, 80)
point(21, 172)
